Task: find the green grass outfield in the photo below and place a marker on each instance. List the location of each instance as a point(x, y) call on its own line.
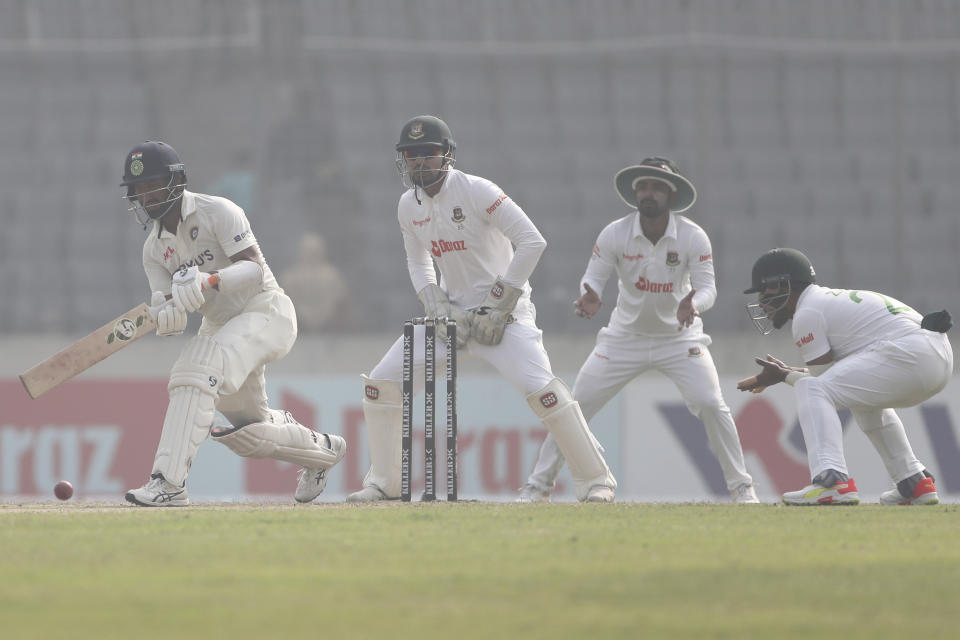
point(479, 570)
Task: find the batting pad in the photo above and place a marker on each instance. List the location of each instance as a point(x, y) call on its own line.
point(286, 441)
point(382, 414)
point(555, 406)
point(194, 387)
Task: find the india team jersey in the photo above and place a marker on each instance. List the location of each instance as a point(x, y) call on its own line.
point(469, 229)
point(211, 230)
point(653, 278)
point(848, 321)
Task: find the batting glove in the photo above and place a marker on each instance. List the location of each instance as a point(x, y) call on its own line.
point(188, 289)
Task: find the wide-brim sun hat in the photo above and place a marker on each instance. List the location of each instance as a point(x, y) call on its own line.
point(657, 169)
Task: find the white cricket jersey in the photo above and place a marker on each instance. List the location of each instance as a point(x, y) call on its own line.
point(653, 279)
point(469, 229)
point(848, 321)
point(211, 230)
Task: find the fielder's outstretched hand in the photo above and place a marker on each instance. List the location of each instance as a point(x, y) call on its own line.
point(587, 305)
point(686, 314)
point(773, 372)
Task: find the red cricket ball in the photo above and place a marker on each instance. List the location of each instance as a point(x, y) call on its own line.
point(63, 490)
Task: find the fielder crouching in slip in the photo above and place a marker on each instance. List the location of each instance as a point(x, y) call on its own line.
point(248, 321)
point(469, 228)
point(864, 351)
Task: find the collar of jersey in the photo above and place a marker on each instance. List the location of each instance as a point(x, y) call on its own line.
point(671, 231)
point(188, 206)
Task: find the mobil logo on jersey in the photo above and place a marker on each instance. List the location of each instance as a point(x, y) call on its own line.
point(441, 246)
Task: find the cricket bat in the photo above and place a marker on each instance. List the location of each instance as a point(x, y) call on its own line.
point(88, 351)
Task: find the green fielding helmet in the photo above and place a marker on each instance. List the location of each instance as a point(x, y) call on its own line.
point(781, 264)
point(426, 131)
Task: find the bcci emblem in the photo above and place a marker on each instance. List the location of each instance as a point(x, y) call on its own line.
point(194, 232)
point(136, 163)
point(673, 258)
point(416, 131)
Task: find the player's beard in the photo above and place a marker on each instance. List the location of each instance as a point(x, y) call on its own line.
point(650, 208)
point(424, 177)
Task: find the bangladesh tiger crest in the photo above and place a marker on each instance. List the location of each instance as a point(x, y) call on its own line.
point(458, 216)
point(416, 131)
point(673, 258)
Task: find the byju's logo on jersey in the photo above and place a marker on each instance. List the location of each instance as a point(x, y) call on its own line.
point(673, 258)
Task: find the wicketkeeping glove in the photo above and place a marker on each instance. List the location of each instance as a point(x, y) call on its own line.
point(436, 305)
point(490, 319)
point(188, 289)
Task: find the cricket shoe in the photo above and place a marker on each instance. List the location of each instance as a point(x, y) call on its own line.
point(367, 494)
point(158, 493)
point(599, 493)
point(312, 482)
point(842, 493)
point(530, 493)
point(745, 494)
point(925, 492)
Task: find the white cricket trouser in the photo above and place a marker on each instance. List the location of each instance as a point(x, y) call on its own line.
point(617, 359)
point(263, 332)
point(520, 358)
point(889, 374)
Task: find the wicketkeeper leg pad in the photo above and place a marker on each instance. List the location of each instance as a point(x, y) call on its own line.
point(561, 415)
point(280, 439)
point(194, 387)
point(382, 412)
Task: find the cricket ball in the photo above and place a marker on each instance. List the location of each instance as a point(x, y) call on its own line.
point(63, 490)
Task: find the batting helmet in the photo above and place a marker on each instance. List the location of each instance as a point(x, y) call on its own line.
point(425, 131)
point(152, 160)
point(781, 265)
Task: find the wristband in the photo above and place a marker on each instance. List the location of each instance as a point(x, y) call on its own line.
point(793, 376)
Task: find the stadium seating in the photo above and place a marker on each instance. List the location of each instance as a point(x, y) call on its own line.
point(786, 127)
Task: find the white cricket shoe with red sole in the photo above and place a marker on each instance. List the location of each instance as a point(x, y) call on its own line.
point(923, 494)
point(842, 493)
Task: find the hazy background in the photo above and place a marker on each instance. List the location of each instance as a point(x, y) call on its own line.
point(833, 127)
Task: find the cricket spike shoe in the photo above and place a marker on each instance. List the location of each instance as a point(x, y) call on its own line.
point(531, 493)
point(312, 482)
point(924, 493)
point(841, 493)
point(158, 493)
point(745, 494)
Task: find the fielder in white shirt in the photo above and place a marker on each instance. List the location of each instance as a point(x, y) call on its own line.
point(485, 248)
point(864, 351)
point(201, 255)
point(664, 267)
